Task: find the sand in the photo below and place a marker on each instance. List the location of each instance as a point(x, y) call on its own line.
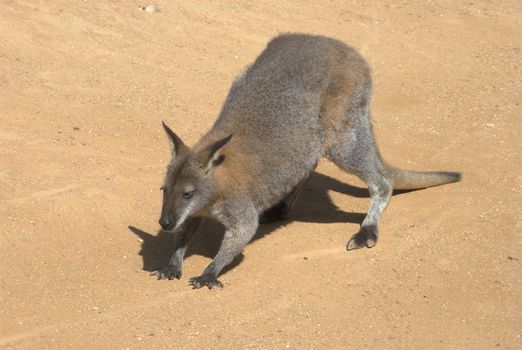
point(84, 87)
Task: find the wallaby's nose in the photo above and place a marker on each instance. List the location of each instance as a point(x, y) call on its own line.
point(165, 223)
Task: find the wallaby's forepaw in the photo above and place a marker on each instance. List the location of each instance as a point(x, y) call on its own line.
point(201, 281)
point(366, 237)
point(167, 273)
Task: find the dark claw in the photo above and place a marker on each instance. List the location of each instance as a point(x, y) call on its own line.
point(167, 272)
point(201, 281)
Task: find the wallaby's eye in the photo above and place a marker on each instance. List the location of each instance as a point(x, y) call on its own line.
point(188, 195)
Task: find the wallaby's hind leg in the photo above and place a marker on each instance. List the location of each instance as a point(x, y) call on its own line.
point(282, 209)
point(380, 192)
point(357, 153)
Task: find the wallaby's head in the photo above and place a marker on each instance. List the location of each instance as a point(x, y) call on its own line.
point(188, 185)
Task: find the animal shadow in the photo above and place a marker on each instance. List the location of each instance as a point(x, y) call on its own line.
point(313, 205)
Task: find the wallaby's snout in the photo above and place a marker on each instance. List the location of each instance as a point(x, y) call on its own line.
point(165, 220)
point(166, 223)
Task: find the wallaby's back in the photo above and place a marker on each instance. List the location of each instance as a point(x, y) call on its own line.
point(302, 99)
point(278, 110)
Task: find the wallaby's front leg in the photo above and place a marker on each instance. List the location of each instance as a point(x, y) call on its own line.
point(241, 226)
point(181, 240)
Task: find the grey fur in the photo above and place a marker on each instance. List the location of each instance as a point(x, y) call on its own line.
point(305, 97)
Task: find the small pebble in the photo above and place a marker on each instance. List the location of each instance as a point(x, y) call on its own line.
point(149, 8)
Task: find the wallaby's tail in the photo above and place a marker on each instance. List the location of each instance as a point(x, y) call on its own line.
point(412, 180)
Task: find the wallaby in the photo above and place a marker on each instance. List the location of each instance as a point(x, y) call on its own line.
point(305, 97)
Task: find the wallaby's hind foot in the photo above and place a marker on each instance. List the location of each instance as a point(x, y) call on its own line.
point(366, 237)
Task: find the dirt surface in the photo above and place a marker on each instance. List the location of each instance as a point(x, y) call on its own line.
point(83, 88)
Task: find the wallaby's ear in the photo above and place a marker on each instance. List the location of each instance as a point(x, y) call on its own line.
point(211, 153)
point(176, 144)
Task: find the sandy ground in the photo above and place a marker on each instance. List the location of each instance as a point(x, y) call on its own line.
point(83, 88)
